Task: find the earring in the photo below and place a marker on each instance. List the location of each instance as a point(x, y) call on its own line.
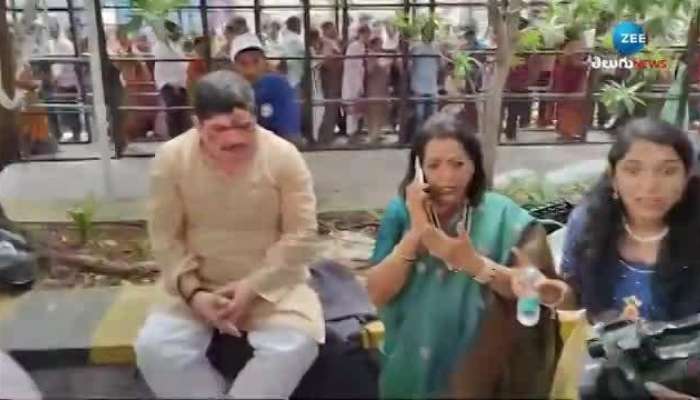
point(615, 195)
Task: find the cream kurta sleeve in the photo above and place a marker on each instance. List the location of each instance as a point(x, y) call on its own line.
point(166, 226)
point(286, 261)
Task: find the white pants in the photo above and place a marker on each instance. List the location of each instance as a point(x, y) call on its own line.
point(15, 383)
point(352, 123)
point(171, 355)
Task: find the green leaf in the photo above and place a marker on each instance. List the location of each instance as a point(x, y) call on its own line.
point(83, 217)
point(618, 97)
point(586, 12)
point(629, 104)
point(464, 64)
point(135, 24)
point(403, 24)
point(154, 13)
point(529, 39)
point(553, 33)
point(605, 42)
point(516, 61)
point(675, 5)
point(636, 87)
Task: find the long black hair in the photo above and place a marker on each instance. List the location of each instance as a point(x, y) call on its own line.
point(678, 262)
point(444, 125)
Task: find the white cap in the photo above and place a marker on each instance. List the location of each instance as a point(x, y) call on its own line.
point(246, 41)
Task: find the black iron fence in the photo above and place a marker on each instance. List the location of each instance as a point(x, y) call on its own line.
point(140, 111)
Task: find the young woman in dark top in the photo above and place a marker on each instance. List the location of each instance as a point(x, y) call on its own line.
point(635, 239)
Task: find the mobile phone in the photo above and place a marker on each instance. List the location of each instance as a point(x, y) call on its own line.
point(421, 176)
point(419, 171)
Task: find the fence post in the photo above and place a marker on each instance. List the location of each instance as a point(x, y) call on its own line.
point(9, 139)
point(98, 97)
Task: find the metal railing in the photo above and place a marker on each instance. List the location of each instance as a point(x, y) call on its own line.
point(402, 99)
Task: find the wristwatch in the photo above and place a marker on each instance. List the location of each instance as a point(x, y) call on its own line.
point(487, 272)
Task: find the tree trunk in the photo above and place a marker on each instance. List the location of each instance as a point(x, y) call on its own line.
point(9, 140)
point(405, 136)
point(691, 63)
point(506, 32)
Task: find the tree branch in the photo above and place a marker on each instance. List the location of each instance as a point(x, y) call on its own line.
point(495, 18)
point(101, 265)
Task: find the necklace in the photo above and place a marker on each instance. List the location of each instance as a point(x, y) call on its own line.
point(465, 222)
point(646, 239)
point(466, 219)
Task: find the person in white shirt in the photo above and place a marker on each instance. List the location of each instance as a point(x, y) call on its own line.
point(354, 81)
point(273, 43)
point(64, 82)
point(391, 36)
point(292, 45)
point(425, 69)
point(171, 79)
point(331, 80)
point(235, 27)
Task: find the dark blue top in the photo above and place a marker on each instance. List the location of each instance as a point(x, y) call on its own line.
point(276, 104)
point(630, 279)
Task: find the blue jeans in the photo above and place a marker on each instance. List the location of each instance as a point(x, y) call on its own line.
point(424, 109)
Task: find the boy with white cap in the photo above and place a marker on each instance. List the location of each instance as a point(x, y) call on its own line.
point(277, 109)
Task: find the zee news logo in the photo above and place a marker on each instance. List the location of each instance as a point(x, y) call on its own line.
point(629, 38)
point(628, 63)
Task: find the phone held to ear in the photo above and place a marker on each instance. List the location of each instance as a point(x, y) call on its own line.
point(429, 210)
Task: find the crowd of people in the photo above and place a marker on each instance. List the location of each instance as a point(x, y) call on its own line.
point(347, 78)
point(232, 220)
point(352, 74)
point(444, 270)
point(445, 263)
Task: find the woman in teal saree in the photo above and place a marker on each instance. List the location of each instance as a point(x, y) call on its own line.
point(441, 250)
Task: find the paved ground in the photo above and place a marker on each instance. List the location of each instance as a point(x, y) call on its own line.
point(97, 326)
point(344, 180)
point(101, 382)
point(78, 343)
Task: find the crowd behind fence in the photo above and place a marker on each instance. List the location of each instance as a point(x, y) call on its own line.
point(359, 82)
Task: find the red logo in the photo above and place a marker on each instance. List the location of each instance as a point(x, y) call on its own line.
point(655, 64)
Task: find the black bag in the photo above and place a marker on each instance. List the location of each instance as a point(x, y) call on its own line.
point(343, 369)
point(626, 355)
point(18, 261)
point(556, 211)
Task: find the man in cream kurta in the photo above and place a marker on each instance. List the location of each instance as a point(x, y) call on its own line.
point(233, 223)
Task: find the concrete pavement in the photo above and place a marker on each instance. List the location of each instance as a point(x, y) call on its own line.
point(78, 342)
point(344, 180)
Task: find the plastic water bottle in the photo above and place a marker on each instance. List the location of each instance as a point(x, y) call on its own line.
point(529, 300)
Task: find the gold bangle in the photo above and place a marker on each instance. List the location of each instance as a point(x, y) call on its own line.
point(188, 299)
point(487, 272)
point(398, 254)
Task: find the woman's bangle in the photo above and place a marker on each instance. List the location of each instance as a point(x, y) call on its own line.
point(487, 272)
point(188, 299)
point(402, 257)
point(178, 286)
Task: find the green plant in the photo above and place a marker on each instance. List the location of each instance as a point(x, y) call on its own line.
point(581, 14)
point(153, 13)
point(532, 190)
point(666, 26)
point(529, 39)
point(526, 190)
point(464, 65)
point(552, 31)
point(650, 75)
point(605, 42)
point(83, 216)
point(403, 24)
point(411, 28)
point(620, 98)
